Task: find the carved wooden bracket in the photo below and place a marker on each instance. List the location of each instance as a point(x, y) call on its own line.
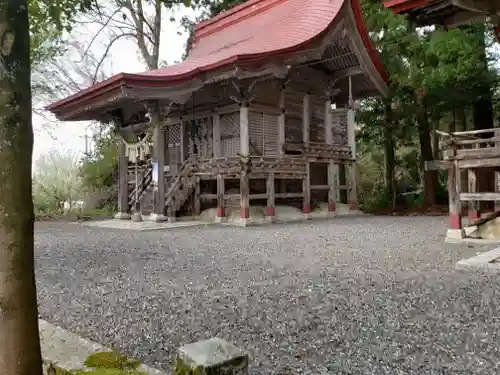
point(243, 96)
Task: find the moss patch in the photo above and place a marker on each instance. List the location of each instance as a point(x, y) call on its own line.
point(111, 360)
point(103, 363)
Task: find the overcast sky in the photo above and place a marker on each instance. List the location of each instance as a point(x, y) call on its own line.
point(124, 59)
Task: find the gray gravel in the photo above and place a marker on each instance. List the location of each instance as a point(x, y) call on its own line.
point(370, 295)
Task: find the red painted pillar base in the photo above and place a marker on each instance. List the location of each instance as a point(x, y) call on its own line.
point(245, 212)
point(220, 212)
point(307, 208)
point(455, 221)
point(332, 207)
point(353, 205)
point(270, 211)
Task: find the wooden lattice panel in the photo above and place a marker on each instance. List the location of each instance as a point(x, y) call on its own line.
point(270, 135)
point(173, 147)
point(293, 129)
point(230, 134)
point(317, 130)
point(339, 121)
point(256, 132)
point(174, 135)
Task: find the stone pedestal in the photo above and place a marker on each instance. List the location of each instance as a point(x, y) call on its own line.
point(157, 218)
point(122, 216)
point(211, 357)
point(136, 217)
point(455, 234)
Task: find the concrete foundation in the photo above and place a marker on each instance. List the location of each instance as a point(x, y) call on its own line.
point(482, 262)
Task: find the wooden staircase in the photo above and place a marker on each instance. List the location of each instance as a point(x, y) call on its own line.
point(181, 187)
point(144, 190)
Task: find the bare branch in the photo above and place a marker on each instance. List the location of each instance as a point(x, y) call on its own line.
point(108, 48)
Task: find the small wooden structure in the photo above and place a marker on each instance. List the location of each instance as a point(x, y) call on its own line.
point(470, 152)
point(450, 13)
point(260, 112)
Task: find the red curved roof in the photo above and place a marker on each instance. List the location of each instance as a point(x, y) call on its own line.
point(255, 30)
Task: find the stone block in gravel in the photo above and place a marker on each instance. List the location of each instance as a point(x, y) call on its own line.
point(214, 356)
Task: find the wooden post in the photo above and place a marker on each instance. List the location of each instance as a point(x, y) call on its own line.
point(244, 136)
point(332, 175)
point(328, 123)
point(184, 141)
point(281, 123)
point(282, 132)
point(123, 209)
point(497, 189)
point(497, 174)
point(271, 209)
point(474, 213)
point(454, 197)
point(306, 189)
point(332, 184)
point(196, 198)
point(306, 118)
point(220, 198)
point(216, 135)
point(351, 139)
point(244, 152)
point(159, 157)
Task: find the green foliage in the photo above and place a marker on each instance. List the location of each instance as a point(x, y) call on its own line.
point(433, 73)
point(49, 19)
point(100, 169)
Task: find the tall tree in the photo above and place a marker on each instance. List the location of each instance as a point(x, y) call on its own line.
point(19, 342)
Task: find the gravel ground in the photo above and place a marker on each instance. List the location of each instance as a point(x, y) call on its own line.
point(370, 295)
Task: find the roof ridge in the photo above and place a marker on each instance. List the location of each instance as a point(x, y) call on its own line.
point(231, 16)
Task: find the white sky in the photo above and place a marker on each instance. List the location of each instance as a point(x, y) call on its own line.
point(70, 136)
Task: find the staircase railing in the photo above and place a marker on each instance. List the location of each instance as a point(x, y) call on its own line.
point(185, 172)
point(143, 185)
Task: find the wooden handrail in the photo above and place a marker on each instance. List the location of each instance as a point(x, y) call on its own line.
point(185, 167)
point(144, 183)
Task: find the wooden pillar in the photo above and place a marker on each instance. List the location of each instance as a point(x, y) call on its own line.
point(282, 132)
point(244, 152)
point(351, 139)
point(306, 118)
point(216, 135)
point(220, 197)
point(497, 189)
point(244, 136)
point(332, 174)
point(281, 123)
point(123, 209)
point(332, 186)
point(454, 197)
point(474, 213)
point(159, 158)
point(306, 189)
point(497, 174)
point(196, 197)
point(271, 208)
point(184, 140)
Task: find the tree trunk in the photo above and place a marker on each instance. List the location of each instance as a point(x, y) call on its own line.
point(390, 164)
point(430, 177)
point(19, 338)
